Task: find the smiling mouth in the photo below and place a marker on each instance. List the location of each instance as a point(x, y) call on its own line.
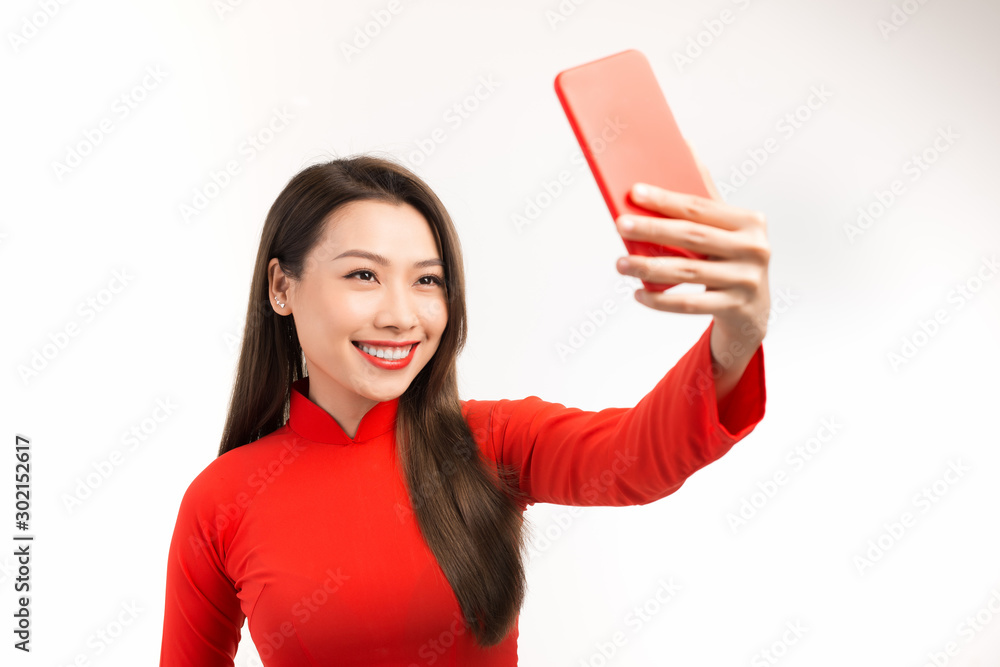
point(386, 353)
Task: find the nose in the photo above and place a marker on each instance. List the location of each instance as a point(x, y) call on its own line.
point(397, 309)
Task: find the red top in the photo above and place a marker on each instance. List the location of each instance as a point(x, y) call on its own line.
point(310, 534)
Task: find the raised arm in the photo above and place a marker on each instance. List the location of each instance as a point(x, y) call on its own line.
point(623, 456)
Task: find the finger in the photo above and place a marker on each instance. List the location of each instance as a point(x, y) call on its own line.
point(699, 303)
point(693, 236)
point(686, 206)
point(705, 176)
point(672, 270)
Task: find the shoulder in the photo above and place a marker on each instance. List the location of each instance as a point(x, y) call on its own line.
point(233, 479)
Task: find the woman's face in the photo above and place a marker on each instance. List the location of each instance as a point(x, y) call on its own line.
point(374, 278)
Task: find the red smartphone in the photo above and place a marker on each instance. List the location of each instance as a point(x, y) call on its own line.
point(628, 135)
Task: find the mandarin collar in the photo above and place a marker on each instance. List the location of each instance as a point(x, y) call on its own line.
point(314, 423)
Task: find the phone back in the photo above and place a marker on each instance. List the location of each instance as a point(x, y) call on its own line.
point(628, 134)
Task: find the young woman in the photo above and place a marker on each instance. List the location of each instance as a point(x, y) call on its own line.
point(359, 512)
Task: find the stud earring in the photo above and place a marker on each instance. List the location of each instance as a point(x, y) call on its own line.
point(278, 302)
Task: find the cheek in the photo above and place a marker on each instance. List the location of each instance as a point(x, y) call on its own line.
point(435, 315)
point(327, 319)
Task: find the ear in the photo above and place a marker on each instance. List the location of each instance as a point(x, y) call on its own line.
point(278, 285)
point(705, 176)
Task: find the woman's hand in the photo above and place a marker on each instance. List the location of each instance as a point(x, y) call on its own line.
point(735, 274)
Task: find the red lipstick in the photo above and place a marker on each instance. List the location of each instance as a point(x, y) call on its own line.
point(388, 364)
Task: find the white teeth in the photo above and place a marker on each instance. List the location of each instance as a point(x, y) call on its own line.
point(390, 353)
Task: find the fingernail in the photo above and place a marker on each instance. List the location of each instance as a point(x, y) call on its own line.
point(640, 191)
point(626, 223)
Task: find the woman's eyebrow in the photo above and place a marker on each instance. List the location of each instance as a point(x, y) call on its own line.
point(383, 260)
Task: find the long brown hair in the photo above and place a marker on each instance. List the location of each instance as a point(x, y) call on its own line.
point(473, 523)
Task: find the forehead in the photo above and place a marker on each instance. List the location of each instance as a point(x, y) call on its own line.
point(394, 230)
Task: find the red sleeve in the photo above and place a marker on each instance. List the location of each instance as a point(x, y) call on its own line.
point(623, 456)
point(202, 617)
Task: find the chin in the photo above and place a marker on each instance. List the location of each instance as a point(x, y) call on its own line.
point(386, 394)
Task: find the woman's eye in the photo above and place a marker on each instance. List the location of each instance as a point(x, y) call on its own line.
point(362, 275)
point(360, 272)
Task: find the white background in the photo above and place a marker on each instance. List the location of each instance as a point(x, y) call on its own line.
point(842, 304)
